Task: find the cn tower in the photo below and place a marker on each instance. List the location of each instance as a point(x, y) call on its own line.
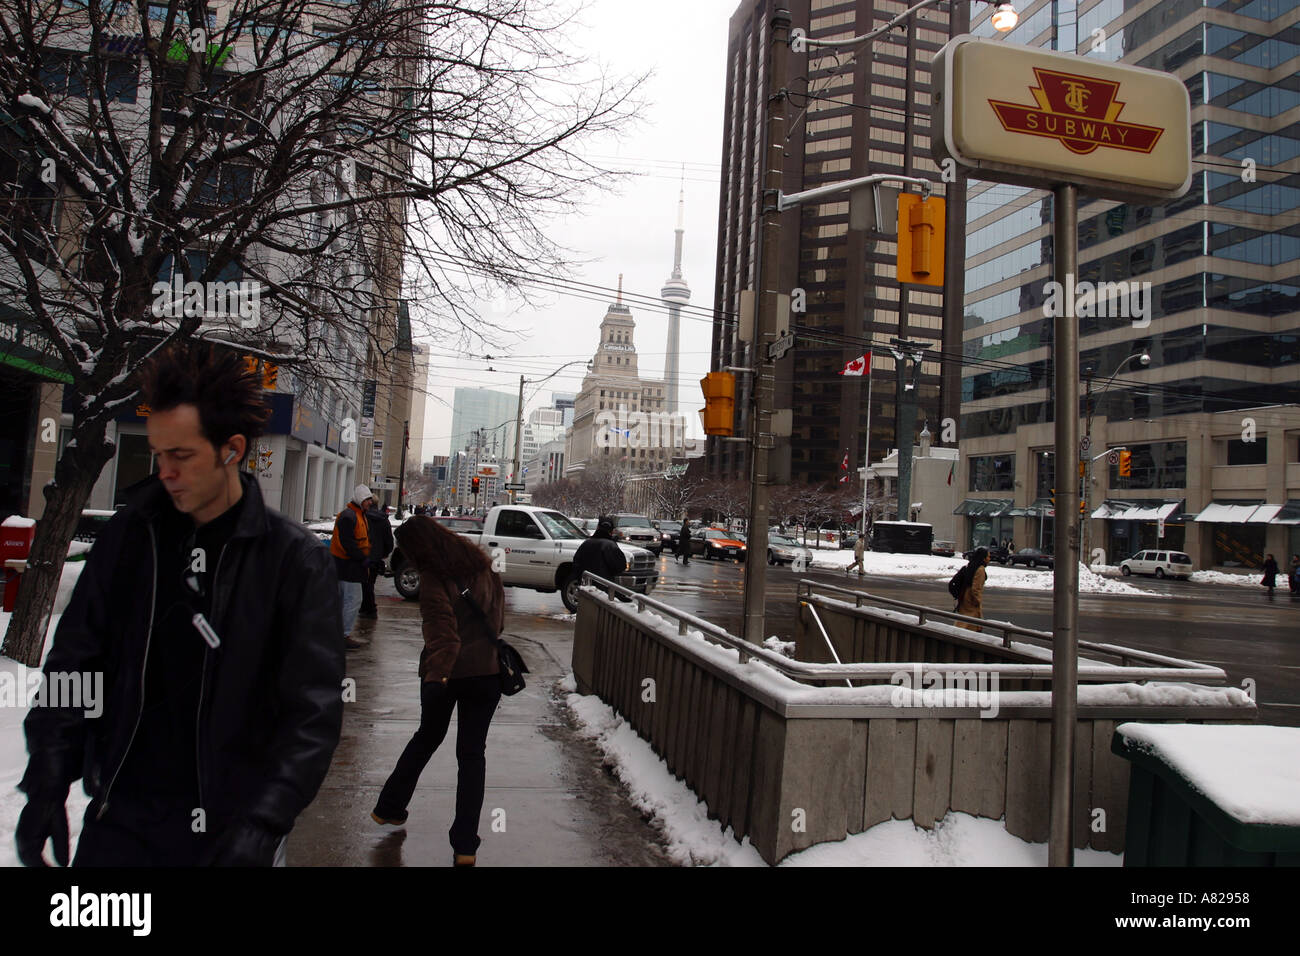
point(675, 293)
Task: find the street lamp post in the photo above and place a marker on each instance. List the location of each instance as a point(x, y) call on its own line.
point(1088, 457)
point(519, 417)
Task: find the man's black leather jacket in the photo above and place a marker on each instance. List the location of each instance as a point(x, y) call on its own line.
point(270, 702)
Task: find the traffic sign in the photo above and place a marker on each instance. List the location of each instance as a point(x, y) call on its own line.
point(514, 486)
point(1113, 458)
point(1085, 443)
point(782, 345)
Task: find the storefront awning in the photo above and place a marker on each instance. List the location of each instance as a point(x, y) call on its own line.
point(1226, 512)
point(1264, 514)
point(984, 507)
point(1289, 514)
point(1152, 510)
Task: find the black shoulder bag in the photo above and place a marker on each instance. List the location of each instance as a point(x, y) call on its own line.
point(512, 665)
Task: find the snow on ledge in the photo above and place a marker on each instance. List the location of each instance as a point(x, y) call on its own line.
point(692, 839)
point(1251, 772)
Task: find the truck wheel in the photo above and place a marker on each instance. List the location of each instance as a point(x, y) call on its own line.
point(1160, 572)
point(569, 591)
point(1124, 570)
point(771, 558)
point(407, 581)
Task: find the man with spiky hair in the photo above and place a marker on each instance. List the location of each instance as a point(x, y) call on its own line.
point(216, 624)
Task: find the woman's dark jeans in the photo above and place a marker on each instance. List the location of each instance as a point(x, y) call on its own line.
point(476, 699)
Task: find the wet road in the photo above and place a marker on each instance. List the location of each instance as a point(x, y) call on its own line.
point(1235, 628)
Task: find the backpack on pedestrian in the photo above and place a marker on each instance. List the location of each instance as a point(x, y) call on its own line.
point(958, 582)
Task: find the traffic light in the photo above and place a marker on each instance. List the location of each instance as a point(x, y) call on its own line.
point(473, 484)
point(920, 239)
point(1126, 464)
point(719, 402)
point(1053, 499)
point(1081, 506)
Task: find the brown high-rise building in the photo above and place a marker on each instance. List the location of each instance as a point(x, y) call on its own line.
point(847, 116)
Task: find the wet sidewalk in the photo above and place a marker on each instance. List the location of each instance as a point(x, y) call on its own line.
point(549, 801)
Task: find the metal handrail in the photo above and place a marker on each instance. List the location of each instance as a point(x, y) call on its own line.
point(1115, 650)
point(805, 671)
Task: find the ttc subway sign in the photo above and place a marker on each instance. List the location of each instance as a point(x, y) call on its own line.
point(1017, 114)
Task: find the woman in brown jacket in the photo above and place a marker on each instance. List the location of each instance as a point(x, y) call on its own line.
point(972, 595)
point(458, 669)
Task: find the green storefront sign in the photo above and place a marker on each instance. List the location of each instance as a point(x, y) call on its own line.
point(24, 346)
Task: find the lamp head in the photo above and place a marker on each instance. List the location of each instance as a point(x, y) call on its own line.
point(1005, 17)
point(1144, 358)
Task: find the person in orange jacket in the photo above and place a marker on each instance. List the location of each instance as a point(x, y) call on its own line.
point(350, 547)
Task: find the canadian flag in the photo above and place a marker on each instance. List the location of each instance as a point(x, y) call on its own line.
point(859, 366)
point(844, 465)
point(843, 479)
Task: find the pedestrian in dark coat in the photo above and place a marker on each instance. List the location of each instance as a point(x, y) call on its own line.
point(1293, 576)
point(220, 677)
point(459, 670)
point(381, 546)
point(1270, 574)
point(972, 594)
point(600, 554)
point(684, 542)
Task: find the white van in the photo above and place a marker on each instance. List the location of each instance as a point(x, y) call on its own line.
point(1163, 564)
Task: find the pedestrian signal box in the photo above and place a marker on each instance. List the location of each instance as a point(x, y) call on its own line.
point(1126, 464)
point(719, 403)
point(920, 239)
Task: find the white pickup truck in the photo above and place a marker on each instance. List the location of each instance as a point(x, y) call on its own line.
point(533, 548)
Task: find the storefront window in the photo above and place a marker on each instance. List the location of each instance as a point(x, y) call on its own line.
point(993, 473)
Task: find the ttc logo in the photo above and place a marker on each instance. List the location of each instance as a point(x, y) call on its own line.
point(1079, 111)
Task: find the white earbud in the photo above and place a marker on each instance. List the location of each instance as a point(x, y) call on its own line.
point(230, 457)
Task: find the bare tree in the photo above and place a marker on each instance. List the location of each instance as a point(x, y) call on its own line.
point(158, 158)
point(676, 496)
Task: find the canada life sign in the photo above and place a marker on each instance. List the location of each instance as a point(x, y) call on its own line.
point(1017, 114)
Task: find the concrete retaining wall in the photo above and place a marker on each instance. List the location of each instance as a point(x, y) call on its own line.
point(789, 769)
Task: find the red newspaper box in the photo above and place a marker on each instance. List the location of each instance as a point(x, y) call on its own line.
point(16, 535)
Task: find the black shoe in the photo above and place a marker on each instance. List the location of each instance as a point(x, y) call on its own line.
point(370, 614)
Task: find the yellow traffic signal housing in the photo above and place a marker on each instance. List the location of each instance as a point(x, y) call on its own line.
point(920, 239)
point(719, 402)
point(1126, 464)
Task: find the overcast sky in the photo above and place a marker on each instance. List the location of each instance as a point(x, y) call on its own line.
point(630, 231)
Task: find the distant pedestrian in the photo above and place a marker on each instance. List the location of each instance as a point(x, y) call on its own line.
point(446, 512)
point(684, 542)
point(600, 554)
point(971, 602)
point(350, 546)
point(859, 551)
point(462, 605)
point(1270, 575)
point(381, 546)
point(1293, 575)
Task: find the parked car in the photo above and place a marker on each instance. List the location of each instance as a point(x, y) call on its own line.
point(783, 550)
point(1032, 558)
point(638, 531)
point(944, 549)
point(997, 554)
point(1162, 564)
point(718, 544)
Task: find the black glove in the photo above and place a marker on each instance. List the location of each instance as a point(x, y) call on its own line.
point(246, 843)
point(44, 817)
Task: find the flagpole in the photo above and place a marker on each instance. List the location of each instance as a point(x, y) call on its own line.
point(866, 455)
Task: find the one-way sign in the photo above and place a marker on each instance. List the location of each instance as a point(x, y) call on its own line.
point(514, 486)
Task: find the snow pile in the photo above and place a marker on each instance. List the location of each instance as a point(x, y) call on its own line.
point(1251, 772)
point(935, 568)
point(693, 839)
point(784, 648)
point(566, 618)
point(13, 743)
point(1248, 580)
